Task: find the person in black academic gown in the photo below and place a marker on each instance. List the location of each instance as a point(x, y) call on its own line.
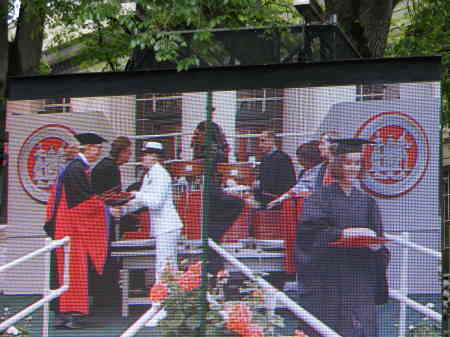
point(343, 285)
point(219, 147)
point(224, 209)
point(106, 176)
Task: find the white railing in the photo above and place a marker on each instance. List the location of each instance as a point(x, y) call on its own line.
point(401, 295)
point(49, 294)
point(139, 324)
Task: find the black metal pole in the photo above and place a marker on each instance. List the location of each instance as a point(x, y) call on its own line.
point(207, 177)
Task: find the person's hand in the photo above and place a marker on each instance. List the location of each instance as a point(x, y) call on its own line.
point(252, 203)
point(115, 211)
point(358, 231)
point(277, 201)
point(273, 203)
point(375, 248)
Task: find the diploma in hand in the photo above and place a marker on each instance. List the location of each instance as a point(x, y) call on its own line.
point(358, 242)
point(358, 238)
point(115, 197)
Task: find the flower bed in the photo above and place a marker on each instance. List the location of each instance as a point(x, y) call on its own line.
point(179, 293)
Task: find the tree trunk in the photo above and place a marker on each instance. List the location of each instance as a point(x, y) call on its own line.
point(3, 48)
point(26, 49)
point(365, 21)
point(3, 67)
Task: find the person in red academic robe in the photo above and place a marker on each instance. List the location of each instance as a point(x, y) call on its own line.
point(54, 198)
point(80, 216)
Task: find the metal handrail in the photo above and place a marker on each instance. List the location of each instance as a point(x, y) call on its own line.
point(403, 241)
point(139, 324)
point(49, 295)
point(401, 294)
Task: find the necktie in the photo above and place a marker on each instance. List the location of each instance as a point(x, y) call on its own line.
point(87, 172)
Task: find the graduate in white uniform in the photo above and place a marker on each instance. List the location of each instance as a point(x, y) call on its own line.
point(156, 194)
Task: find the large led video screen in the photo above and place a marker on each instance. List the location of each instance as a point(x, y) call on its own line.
point(322, 204)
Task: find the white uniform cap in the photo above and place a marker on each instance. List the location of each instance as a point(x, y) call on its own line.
point(152, 147)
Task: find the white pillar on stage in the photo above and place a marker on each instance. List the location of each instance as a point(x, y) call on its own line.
point(224, 114)
point(193, 112)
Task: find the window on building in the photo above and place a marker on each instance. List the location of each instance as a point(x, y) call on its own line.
point(56, 105)
point(257, 110)
point(377, 92)
point(160, 114)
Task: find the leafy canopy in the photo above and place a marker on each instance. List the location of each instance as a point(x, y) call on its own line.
point(428, 33)
point(107, 31)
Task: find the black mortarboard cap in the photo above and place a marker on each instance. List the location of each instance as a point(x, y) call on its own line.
point(350, 145)
point(89, 138)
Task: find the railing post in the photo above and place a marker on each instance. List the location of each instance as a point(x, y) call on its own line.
point(403, 285)
point(46, 311)
point(50, 295)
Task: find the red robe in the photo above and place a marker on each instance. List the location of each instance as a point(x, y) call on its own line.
point(80, 216)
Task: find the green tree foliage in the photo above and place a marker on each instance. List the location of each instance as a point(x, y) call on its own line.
point(114, 30)
point(428, 33)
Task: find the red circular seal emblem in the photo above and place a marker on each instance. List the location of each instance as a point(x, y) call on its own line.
point(399, 158)
point(41, 157)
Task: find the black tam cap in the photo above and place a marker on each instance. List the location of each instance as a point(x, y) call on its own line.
point(350, 145)
point(89, 138)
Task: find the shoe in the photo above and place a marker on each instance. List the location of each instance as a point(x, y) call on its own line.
point(60, 320)
point(70, 321)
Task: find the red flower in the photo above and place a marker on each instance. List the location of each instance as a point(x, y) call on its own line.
point(259, 295)
point(189, 281)
point(195, 268)
point(239, 318)
point(158, 292)
point(299, 333)
point(253, 331)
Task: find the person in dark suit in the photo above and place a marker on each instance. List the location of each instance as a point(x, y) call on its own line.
point(276, 172)
point(105, 177)
point(276, 176)
point(343, 283)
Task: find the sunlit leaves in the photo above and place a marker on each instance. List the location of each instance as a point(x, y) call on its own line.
point(428, 33)
point(108, 31)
